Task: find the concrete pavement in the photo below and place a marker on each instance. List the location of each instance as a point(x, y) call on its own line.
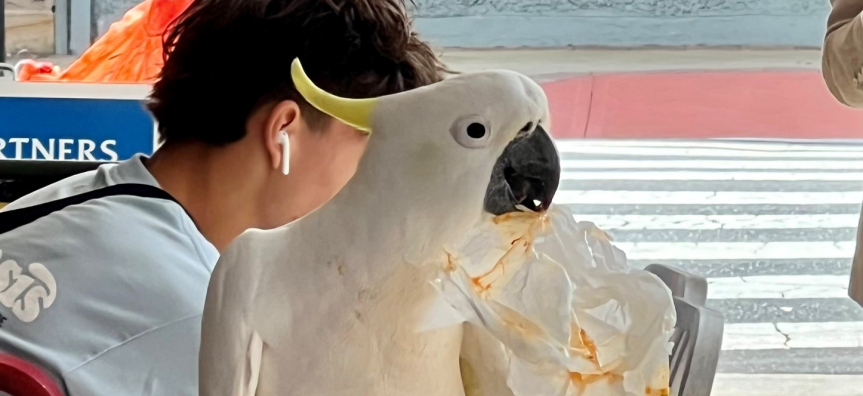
point(771, 226)
point(787, 385)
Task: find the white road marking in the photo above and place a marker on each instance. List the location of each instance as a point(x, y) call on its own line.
point(664, 151)
point(779, 286)
point(712, 176)
point(710, 164)
point(715, 222)
point(760, 336)
point(713, 143)
point(600, 197)
point(774, 250)
point(786, 385)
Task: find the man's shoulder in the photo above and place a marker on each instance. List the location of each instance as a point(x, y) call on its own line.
point(114, 232)
point(111, 268)
point(144, 246)
point(117, 224)
point(99, 245)
point(72, 185)
point(129, 171)
point(117, 220)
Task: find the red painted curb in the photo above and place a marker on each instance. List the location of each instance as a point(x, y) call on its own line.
point(784, 104)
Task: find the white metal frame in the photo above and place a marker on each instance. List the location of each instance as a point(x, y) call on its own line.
point(61, 27)
point(80, 26)
point(75, 90)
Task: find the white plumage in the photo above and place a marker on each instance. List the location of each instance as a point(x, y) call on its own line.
point(333, 303)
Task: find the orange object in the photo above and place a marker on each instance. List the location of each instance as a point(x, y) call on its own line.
point(29, 68)
point(129, 52)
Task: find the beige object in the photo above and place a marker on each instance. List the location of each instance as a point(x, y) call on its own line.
point(29, 26)
point(843, 52)
point(843, 72)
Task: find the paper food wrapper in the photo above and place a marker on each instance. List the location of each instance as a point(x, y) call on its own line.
point(561, 311)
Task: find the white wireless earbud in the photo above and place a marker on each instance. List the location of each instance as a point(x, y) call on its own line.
point(285, 141)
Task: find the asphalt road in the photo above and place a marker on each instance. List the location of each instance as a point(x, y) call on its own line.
point(772, 227)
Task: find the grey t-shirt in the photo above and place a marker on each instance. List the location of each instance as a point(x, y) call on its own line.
point(107, 295)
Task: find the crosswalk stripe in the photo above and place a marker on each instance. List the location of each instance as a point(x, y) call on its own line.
point(718, 268)
point(788, 310)
point(771, 227)
point(740, 336)
point(713, 143)
point(786, 385)
point(763, 186)
point(660, 251)
point(716, 222)
point(739, 235)
point(792, 361)
point(779, 286)
point(573, 197)
point(689, 175)
point(711, 164)
point(702, 152)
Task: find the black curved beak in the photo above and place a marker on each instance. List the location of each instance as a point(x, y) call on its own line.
point(526, 174)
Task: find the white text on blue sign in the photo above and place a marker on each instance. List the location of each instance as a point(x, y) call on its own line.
point(57, 149)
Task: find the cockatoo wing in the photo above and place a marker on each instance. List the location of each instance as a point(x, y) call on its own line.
point(484, 364)
point(231, 349)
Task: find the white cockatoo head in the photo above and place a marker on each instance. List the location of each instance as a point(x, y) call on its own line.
point(441, 156)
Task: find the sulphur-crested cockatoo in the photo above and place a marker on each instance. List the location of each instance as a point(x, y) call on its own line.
point(333, 304)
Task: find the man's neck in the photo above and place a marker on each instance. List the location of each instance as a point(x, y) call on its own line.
point(216, 188)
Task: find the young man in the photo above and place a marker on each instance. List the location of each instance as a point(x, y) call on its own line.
point(107, 294)
point(842, 67)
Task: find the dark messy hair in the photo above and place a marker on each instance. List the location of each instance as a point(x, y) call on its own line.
point(352, 48)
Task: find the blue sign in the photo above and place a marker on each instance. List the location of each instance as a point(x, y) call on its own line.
point(51, 128)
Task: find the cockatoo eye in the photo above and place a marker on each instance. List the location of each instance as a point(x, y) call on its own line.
point(471, 131)
point(476, 130)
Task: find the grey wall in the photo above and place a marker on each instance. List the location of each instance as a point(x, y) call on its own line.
point(490, 23)
point(106, 12)
point(554, 23)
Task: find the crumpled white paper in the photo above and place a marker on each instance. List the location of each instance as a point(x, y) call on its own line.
point(569, 316)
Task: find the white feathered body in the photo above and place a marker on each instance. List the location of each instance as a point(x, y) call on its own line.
point(334, 304)
point(329, 323)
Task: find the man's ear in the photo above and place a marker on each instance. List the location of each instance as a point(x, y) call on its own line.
point(284, 116)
